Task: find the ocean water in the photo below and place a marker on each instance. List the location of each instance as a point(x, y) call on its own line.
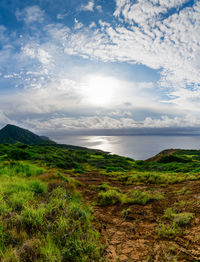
point(137, 147)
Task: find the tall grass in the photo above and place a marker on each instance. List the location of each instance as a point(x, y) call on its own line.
point(41, 223)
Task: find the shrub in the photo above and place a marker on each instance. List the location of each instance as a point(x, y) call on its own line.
point(167, 231)
point(32, 218)
point(19, 199)
point(38, 187)
point(183, 191)
point(180, 219)
point(77, 242)
point(19, 154)
point(109, 197)
point(106, 186)
point(183, 219)
point(30, 250)
point(4, 208)
point(75, 211)
point(2, 239)
point(139, 197)
point(142, 197)
point(50, 251)
point(14, 168)
point(170, 213)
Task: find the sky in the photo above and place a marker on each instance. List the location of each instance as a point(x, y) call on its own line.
point(73, 66)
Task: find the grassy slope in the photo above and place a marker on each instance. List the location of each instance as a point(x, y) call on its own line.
point(43, 217)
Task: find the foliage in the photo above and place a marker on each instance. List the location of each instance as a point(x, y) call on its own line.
point(112, 196)
point(43, 223)
point(179, 219)
point(109, 197)
point(167, 231)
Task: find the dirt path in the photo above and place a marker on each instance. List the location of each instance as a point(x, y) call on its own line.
point(134, 238)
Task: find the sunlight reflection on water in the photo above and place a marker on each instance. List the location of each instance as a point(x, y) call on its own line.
point(137, 147)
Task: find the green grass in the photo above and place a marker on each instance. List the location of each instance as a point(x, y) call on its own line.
point(20, 168)
point(176, 222)
point(179, 219)
point(153, 177)
point(182, 165)
point(167, 231)
point(43, 216)
point(110, 197)
point(43, 223)
point(142, 197)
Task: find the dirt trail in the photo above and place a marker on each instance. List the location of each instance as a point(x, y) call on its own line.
point(134, 238)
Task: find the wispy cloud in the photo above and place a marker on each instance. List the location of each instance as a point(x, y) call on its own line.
point(88, 7)
point(30, 14)
point(50, 87)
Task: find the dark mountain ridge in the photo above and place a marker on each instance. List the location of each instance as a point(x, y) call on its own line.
point(13, 134)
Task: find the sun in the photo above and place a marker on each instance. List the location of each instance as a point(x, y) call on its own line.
point(99, 90)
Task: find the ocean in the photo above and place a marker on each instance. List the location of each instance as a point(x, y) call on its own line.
point(137, 147)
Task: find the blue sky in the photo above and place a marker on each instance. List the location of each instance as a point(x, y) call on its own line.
point(97, 64)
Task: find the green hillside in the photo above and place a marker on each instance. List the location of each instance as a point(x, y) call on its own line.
point(62, 204)
point(13, 134)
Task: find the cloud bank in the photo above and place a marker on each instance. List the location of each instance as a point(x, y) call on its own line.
point(44, 67)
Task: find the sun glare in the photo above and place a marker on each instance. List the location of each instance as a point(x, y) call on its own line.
point(100, 89)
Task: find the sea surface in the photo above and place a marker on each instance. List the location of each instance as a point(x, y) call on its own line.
point(137, 147)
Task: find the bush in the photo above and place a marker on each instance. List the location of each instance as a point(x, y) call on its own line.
point(183, 219)
point(167, 231)
point(30, 250)
point(4, 207)
point(139, 197)
point(18, 200)
point(75, 211)
point(50, 251)
point(180, 219)
point(106, 186)
point(38, 187)
point(2, 239)
point(109, 197)
point(19, 154)
point(32, 218)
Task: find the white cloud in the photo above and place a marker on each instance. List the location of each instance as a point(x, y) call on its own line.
point(36, 52)
point(3, 31)
point(92, 25)
point(77, 24)
point(99, 8)
point(61, 16)
point(169, 43)
point(161, 41)
point(144, 11)
point(106, 122)
point(88, 7)
point(30, 14)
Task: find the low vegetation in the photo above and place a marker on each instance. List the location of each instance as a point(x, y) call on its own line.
point(175, 223)
point(43, 221)
point(113, 196)
point(43, 216)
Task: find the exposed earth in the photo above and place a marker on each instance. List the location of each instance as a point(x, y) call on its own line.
point(133, 238)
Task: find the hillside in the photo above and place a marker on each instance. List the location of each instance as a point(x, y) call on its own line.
point(13, 134)
point(59, 204)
